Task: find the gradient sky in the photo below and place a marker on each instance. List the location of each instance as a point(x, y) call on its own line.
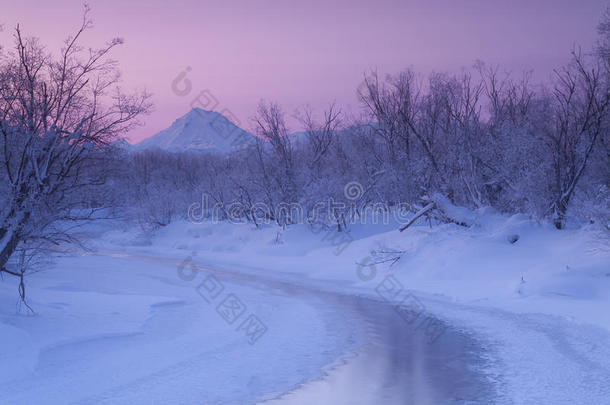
point(306, 52)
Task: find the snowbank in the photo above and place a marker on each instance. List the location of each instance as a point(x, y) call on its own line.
point(538, 297)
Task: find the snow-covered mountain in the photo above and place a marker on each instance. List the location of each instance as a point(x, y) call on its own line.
point(199, 130)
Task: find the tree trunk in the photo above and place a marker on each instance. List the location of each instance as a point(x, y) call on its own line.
point(10, 234)
point(560, 208)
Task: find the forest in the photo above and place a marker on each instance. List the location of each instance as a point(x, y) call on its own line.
point(474, 139)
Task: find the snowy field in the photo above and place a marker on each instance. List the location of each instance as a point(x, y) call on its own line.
point(130, 323)
point(362, 216)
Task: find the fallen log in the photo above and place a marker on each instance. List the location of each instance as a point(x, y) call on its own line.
point(429, 207)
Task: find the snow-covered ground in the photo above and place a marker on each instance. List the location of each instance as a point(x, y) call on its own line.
point(117, 330)
point(122, 324)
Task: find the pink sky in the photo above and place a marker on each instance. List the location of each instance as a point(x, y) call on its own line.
point(308, 52)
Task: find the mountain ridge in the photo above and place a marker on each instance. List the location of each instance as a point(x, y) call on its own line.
point(199, 130)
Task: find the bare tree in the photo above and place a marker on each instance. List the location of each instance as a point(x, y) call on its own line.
point(320, 134)
point(603, 54)
point(56, 116)
point(382, 105)
point(581, 104)
point(271, 127)
point(603, 44)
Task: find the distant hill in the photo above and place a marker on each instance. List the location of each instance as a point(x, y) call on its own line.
point(199, 130)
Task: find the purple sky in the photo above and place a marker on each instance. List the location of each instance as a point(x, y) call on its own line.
point(307, 52)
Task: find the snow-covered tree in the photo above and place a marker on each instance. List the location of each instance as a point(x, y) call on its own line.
point(57, 114)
